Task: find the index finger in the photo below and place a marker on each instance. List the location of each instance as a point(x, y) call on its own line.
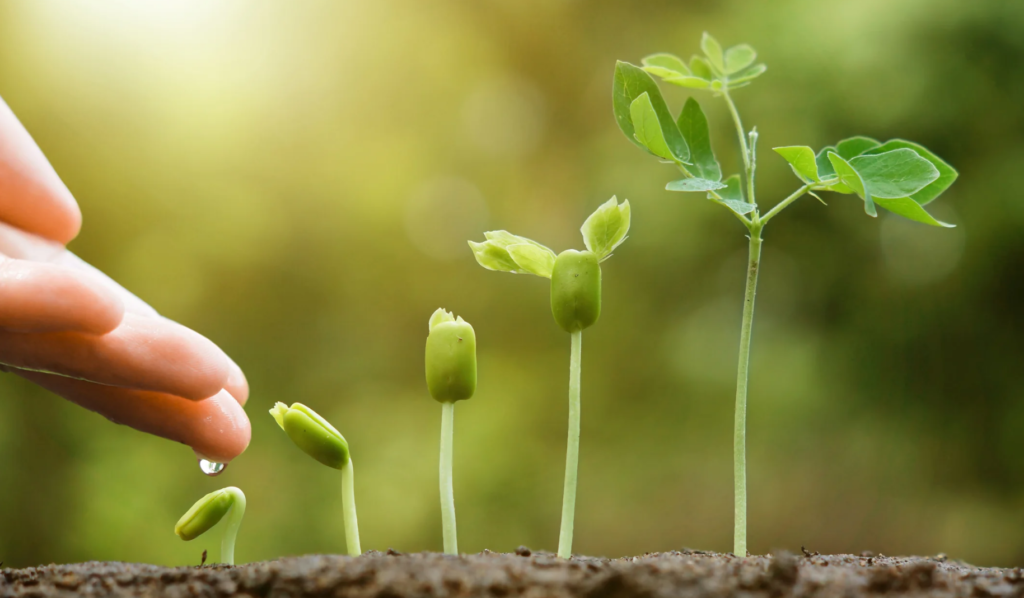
point(32, 196)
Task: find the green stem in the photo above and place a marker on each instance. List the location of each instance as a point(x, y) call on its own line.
point(742, 377)
point(782, 204)
point(572, 449)
point(743, 144)
point(227, 544)
point(451, 541)
point(348, 503)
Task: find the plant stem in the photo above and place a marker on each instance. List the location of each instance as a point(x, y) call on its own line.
point(782, 204)
point(572, 449)
point(743, 144)
point(227, 544)
point(348, 503)
point(451, 539)
point(742, 376)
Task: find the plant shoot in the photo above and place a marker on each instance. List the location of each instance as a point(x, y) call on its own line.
point(322, 441)
point(899, 176)
point(207, 512)
point(575, 304)
point(451, 376)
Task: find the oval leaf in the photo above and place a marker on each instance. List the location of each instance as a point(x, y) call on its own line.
point(713, 50)
point(694, 127)
point(738, 58)
point(802, 159)
point(908, 208)
point(532, 259)
point(896, 173)
point(657, 64)
point(646, 127)
point(852, 179)
point(694, 184)
point(631, 81)
point(606, 228)
point(947, 174)
point(855, 146)
point(749, 74)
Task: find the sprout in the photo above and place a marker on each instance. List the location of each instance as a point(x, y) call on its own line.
point(451, 376)
point(320, 440)
point(207, 512)
point(900, 176)
point(575, 304)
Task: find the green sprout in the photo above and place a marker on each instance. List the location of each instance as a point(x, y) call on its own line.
point(899, 176)
point(451, 376)
point(207, 512)
point(575, 304)
point(322, 441)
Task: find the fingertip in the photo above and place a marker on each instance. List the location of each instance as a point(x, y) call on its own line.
point(236, 384)
point(222, 430)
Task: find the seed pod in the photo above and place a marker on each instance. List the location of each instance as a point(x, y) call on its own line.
point(450, 358)
point(576, 290)
point(203, 515)
point(312, 433)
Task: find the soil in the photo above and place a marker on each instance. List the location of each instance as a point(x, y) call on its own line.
point(396, 575)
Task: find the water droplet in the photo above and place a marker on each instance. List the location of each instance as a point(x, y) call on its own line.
point(211, 468)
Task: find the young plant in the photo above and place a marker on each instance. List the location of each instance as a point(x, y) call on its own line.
point(451, 376)
point(899, 176)
point(320, 440)
point(207, 512)
point(575, 304)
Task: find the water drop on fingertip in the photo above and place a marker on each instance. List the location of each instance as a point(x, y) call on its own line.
point(211, 468)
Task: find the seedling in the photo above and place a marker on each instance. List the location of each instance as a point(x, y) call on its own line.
point(322, 441)
point(451, 376)
point(575, 304)
point(899, 176)
point(207, 512)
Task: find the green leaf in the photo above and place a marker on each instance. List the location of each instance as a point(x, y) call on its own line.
point(825, 169)
point(694, 184)
point(688, 81)
point(896, 173)
point(738, 58)
point(665, 65)
point(749, 74)
point(947, 174)
point(713, 50)
point(694, 127)
point(700, 68)
point(801, 158)
point(606, 228)
point(630, 82)
point(493, 253)
point(849, 176)
point(647, 128)
point(733, 188)
point(532, 259)
point(203, 515)
point(855, 146)
point(740, 207)
point(908, 208)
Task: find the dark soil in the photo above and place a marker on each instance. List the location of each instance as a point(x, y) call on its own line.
point(395, 575)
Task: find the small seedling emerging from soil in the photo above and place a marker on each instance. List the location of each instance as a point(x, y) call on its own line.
point(207, 512)
point(575, 304)
point(451, 376)
point(322, 441)
point(899, 176)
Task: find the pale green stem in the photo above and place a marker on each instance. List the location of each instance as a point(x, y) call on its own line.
point(451, 538)
point(782, 204)
point(348, 504)
point(742, 377)
point(235, 514)
point(572, 449)
point(743, 145)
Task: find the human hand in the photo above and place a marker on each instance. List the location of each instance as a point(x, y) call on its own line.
point(72, 330)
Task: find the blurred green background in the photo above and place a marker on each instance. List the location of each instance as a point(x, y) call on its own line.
point(297, 181)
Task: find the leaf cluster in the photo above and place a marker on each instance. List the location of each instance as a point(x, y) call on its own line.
point(900, 176)
point(603, 231)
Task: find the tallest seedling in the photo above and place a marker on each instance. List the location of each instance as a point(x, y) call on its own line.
point(899, 176)
point(575, 304)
